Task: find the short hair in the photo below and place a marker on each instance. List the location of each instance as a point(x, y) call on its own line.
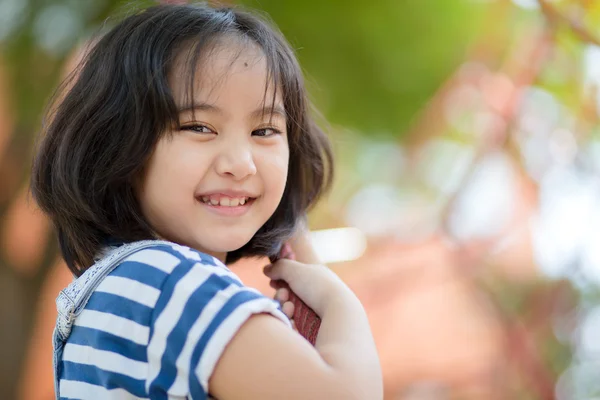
point(105, 122)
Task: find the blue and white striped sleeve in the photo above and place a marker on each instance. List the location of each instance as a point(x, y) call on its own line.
point(200, 309)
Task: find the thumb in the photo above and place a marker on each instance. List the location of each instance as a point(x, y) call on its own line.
point(283, 269)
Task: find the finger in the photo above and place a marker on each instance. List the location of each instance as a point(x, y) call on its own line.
point(267, 269)
point(294, 327)
point(288, 309)
point(277, 284)
point(286, 251)
point(282, 269)
point(282, 295)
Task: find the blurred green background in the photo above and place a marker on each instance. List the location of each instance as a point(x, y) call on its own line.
point(466, 137)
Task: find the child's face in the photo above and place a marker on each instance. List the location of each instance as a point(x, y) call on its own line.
point(215, 182)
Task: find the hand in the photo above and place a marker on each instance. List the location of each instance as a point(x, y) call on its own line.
point(316, 285)
point(282, 295)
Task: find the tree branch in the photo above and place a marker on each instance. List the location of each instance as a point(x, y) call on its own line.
point(555, 17)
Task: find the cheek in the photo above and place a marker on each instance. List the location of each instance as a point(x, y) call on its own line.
point(275, 170)
point(177, 166)
point(169, 179)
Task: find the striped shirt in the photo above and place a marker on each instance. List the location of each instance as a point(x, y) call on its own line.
point(156, 326)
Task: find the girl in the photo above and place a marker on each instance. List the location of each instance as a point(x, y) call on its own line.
point(182, 144)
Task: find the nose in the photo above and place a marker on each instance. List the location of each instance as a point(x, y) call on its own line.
point(236, 160)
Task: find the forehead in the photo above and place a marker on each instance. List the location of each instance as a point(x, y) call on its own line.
point(226, 64)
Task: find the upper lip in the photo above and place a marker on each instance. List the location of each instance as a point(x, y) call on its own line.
point(228, 193)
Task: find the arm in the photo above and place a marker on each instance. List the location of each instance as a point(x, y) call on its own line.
point(285, 366)
point(343, 365)
point(212, 334)
point(342, 327)
point(346, 343)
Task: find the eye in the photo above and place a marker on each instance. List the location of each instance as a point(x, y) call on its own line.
point(266, 132)
point(198, 129)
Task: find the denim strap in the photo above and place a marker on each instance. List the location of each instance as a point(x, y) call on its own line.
point(74, 297)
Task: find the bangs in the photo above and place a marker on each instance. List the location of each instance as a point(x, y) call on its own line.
point(196, 53)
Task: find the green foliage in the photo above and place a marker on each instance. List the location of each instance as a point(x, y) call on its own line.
point(34, 71)
point(372, 65)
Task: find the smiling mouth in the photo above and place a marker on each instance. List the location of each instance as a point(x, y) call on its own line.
point(224, 201)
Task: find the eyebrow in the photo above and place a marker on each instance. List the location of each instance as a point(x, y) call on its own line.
point(259, 112)
point(200, 107)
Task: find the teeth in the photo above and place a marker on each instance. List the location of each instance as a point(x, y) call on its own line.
point(225, 201)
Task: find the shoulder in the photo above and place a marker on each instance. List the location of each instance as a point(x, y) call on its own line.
point(163, 259)
point(161, 269)
point(166, 255)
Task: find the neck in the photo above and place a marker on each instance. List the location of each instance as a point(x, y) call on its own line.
point(220, 256)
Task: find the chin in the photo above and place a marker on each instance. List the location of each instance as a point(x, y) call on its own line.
point(225, 243)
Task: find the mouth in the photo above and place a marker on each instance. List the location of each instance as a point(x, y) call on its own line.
point(226, 201)
point(227, 206)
